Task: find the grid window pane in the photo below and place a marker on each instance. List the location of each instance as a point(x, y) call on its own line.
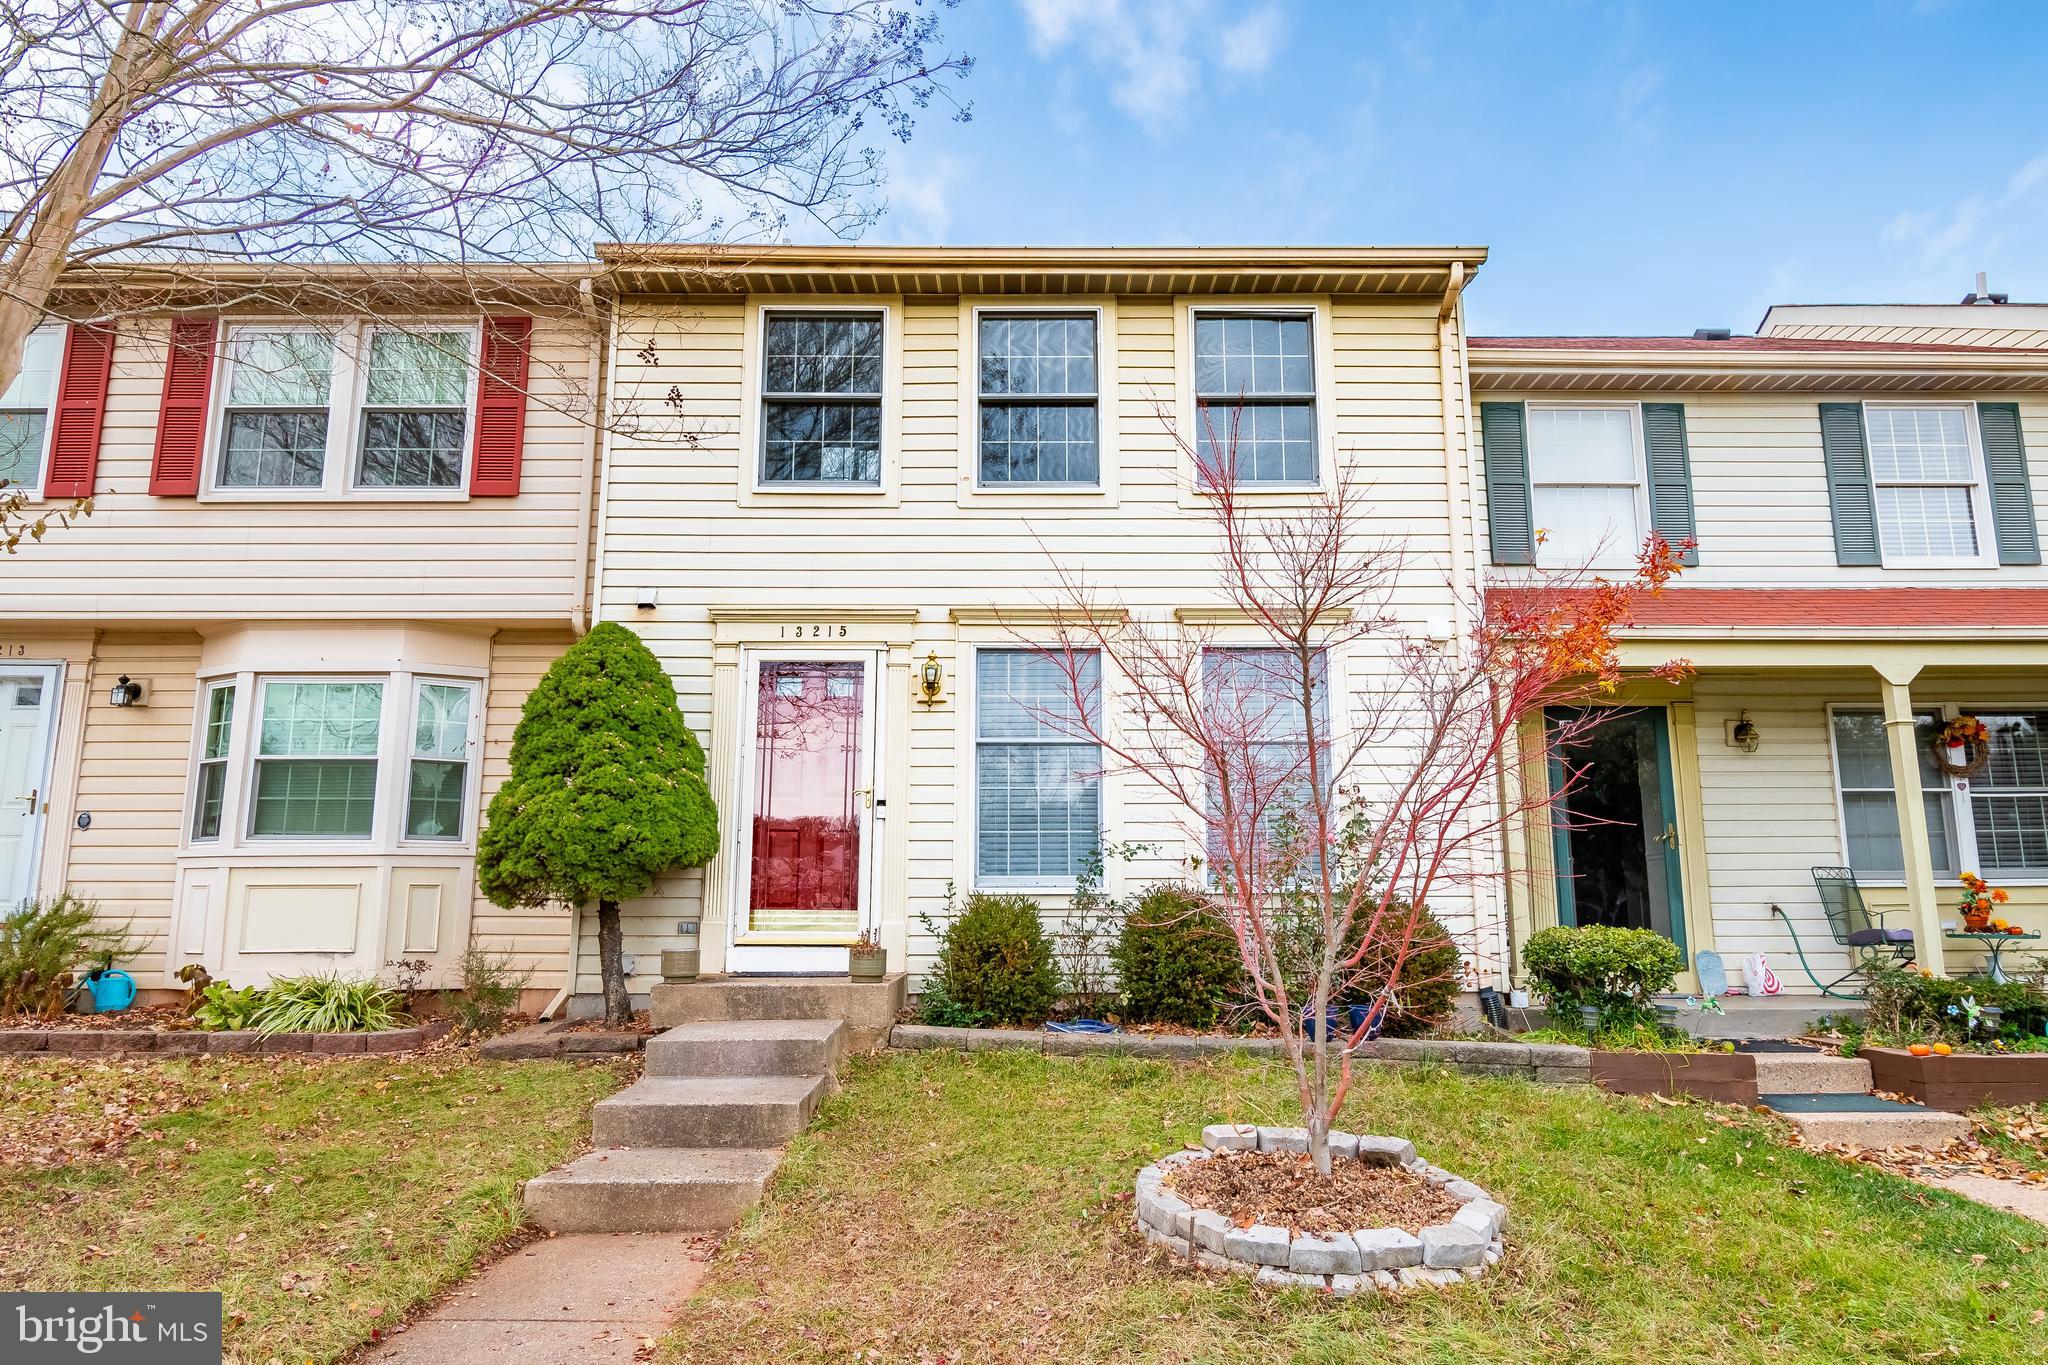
point(213, 782)
point(418, 370)
point(213, 767)
point(1257, 694)
point(1037, 357)
point(315, 797)
point(823, 442)
point(1863, 771)
point(412, 450)
point(279, 369)
point(836, 354)
point(1034, 443)
point(1917, 521)
point(2009, 799)
point(1243, 354)
point(1270, 442)
point(1930, 445)
point(1023, 361)
point(21, 446)
point(1038, 792)
point(274, 450)
point(220, 721)
point(442, 730)
point(321, 719)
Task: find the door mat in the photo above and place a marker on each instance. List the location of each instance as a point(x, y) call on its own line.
point(1837, 1104)
point(1774, 1045)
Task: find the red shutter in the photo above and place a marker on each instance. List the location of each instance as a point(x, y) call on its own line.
point(181, 421)
point(80, 408)
point(500, 408)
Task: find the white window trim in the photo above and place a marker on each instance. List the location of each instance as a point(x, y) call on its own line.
point(33, 491)
point(970, 393)
point(752, 432)
point(1616, 556)
point(346, 386)
point(970, 733)
point(1980, 492)
point(396, 721)
point(1322, 350)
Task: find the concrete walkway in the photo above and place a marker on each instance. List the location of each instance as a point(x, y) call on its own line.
point(586, 1299)
point(2014, 1196)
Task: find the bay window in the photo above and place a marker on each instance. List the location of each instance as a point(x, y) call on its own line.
point(1038, 785)
point(376, 761)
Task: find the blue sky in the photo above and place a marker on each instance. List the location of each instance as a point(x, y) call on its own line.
point(1635, 168)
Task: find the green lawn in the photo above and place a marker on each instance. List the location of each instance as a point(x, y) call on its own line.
point(324, 1198)
point(966, 1209)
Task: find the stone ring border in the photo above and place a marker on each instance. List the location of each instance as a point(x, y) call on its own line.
point(1367, 1261)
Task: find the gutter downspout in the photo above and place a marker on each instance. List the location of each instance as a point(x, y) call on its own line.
point(579, 609)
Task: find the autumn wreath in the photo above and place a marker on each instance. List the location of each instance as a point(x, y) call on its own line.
point(1962, 747)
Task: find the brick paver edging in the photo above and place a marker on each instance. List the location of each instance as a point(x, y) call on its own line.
point(1361, 1261)
point(1549, 1063)
point(28, 1042)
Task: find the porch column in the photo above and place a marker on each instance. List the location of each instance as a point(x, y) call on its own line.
point(1895, 683)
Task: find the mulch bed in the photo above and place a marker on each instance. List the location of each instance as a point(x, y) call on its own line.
point(642, 1024)
point(134, 1018)
point(1282, 1189)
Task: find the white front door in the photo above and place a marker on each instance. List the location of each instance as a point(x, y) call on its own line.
point(28, 700)
point(804, 845)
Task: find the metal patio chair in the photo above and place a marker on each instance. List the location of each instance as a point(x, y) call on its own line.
point(1854, 928)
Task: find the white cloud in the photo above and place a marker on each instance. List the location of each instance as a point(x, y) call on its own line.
point(1956, 240)
point(1149, 47)
point(921, 198)
point(1250, 44)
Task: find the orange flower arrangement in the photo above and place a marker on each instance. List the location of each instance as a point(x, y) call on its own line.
point(1978, 898)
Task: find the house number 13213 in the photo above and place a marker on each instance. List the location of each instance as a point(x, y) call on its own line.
point(814, 631)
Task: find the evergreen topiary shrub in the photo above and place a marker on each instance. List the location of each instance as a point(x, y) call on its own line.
point(605, 794)
point(994, 966)
point(1426, 992)
point(1175, 963)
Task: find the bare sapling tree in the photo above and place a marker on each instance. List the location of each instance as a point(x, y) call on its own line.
point(1326, 829)
point(429, 134)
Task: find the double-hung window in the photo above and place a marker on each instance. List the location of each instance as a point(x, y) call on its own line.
point(1870, 815)
point(25, 411)
point(1038, 399)
point(821, 399)
point(1255, 398)
point(274, 420)
point(1038, 789)
point(214, 740)
point(1586, 484)
point(1927, 477)
point(316, 759)
point(1255, 695)
point(415, 410)
point(438, 774)
point(2009, 798)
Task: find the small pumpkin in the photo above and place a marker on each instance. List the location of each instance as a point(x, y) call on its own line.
point(1920, 1050)
point(2014, 929)
point(1942, 1049)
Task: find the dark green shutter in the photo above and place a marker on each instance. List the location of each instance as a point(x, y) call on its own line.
point(1509, 522)
point(2012, 500)
point(1670, 476)
point(1849, 496)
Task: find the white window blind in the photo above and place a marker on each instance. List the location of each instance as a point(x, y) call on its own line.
point(1038, 790)
point(1924, 474)
point(1585, 482)
point(2009, 799)
point(1256, 693)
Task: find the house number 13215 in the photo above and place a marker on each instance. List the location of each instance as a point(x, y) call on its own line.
point(815, 631)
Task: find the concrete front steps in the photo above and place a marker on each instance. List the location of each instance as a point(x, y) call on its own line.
point(691, 1145)
point(867, 1008)
point(1866, 1120)
point(1811, 1073)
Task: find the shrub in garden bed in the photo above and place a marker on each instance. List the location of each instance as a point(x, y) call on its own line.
point(1904, 1005)
point(1175, 962)
point(1427, 992)
point(1616, 971)
point(994, 966)
point(44, 943)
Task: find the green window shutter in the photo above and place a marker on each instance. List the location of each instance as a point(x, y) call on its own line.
point(2012, 499)
point(1505, 444)
point(1849, 497)
point(1670, 476)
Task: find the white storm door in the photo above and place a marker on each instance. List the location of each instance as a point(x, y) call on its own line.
point(28, 702)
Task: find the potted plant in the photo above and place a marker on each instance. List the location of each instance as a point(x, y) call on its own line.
point(1978, 898)
point(867, 959)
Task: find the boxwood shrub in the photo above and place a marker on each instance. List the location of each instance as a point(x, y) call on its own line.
point(1616, 969)
point(994, 966)
point(1175, 963)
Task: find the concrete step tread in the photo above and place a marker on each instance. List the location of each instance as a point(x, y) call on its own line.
point(666, 1165)
point(1811, 1073)
point(750, 1030)
point(715, 1090)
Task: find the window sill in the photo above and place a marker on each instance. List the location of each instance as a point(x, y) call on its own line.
point(283, 497)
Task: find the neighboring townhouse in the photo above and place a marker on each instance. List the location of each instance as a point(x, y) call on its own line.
point(843, 474)
point(1867, 567)
point(255, 701)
